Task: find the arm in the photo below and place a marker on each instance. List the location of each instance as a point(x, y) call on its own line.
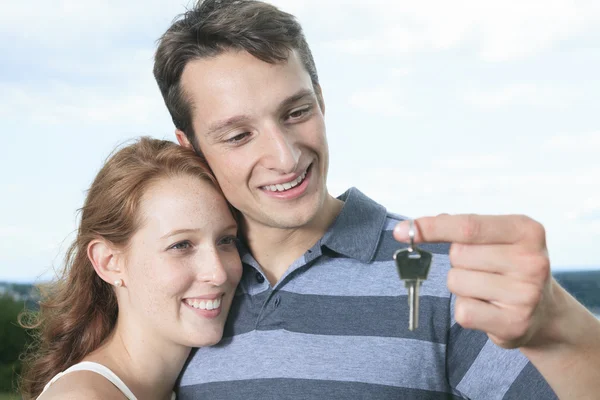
point(567, 350)
point(503, 286)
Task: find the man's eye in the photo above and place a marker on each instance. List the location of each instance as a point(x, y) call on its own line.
point(299, 113)
point(181, 245)
point(238, 138)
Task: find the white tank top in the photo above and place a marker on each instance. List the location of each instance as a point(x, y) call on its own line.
point(99, 369)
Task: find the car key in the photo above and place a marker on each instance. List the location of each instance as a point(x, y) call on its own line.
point(413, 267)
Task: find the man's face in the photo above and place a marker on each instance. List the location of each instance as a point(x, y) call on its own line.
point(262, 131)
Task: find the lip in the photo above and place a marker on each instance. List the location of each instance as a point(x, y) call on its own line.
point(290, 178)
point(214, 313)
point(206, 297)
point(295, 192)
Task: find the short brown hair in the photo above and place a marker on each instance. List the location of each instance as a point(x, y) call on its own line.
point(215, 26)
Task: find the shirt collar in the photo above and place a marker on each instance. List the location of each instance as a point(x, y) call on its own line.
point(357, 229)
point(355, 233)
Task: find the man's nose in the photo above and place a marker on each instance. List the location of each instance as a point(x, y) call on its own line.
point(281, 152)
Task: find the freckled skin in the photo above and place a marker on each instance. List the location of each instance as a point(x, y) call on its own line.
point(158, 276)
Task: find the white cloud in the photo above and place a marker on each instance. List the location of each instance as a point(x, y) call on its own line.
point(490, 186)
point(500, 30)
point(470, 161)
point(379, 101)
point(588, 212)
point(520, 94)
point(126, 64)
point(61, 24)
point(580, 143)
point(7, 232)
point(399, 72)
point(59, 103)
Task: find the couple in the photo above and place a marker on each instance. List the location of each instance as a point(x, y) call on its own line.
point(315, 306)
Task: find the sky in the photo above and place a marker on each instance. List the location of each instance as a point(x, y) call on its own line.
point(432, 107)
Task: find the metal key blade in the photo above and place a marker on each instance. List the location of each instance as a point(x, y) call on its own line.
point(413, 267)
point(413, 304)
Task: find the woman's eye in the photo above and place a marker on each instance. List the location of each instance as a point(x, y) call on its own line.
point(181, 245)
point(228, 240)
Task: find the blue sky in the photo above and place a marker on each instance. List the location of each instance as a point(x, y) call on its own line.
point(431, 107)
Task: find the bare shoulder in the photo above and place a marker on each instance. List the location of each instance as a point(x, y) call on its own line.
point(82, 385)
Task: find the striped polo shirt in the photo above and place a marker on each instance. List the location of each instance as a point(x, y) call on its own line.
point(336, 327)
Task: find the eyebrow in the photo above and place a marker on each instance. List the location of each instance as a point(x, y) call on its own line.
point(302, 93)
point(220, 125)
point(240, 119)
point(194, 230)
point(178, 231)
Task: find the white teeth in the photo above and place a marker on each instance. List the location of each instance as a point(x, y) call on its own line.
point(205, 304)
point(285, 186)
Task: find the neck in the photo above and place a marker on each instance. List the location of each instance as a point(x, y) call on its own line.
point(276, 248)
point(148, 365)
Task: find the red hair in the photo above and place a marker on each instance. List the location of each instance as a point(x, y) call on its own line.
point(79, 310)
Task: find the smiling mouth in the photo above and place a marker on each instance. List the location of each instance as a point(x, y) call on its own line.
point(282, 187)
point(203, 304)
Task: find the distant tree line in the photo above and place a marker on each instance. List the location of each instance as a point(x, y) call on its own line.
point(13, 340)
point(584, 286)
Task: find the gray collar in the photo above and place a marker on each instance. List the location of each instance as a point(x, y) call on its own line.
point(356, 231)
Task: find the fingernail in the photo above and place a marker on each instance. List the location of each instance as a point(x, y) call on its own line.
point(401, 230)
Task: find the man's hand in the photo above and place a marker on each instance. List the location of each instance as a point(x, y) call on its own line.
point(501, 277)
point(501, 273)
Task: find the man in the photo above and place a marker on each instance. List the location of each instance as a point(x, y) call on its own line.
point(320, 312)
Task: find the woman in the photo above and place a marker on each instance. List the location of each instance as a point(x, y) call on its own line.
point(152, 273)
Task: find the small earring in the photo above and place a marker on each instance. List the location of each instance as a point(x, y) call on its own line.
point(118, 282)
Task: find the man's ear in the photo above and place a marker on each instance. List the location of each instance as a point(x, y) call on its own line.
point(105, 259)
point(320, 99)
point(182, 139)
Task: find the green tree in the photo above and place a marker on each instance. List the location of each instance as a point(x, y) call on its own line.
point(13, 339)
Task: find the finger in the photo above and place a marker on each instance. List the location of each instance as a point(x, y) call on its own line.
point(501, 259)
point(507, 328)
point(477, 314)
point(487, 258)
point(473, 229)
point(498, 289)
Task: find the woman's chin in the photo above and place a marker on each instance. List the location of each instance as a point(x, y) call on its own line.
point(204, 337)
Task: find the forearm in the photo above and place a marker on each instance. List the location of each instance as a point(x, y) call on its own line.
point(567, 351)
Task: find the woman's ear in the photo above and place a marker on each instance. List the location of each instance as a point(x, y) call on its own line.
point(105, 259)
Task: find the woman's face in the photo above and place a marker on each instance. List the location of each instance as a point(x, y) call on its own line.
point(182, 265)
